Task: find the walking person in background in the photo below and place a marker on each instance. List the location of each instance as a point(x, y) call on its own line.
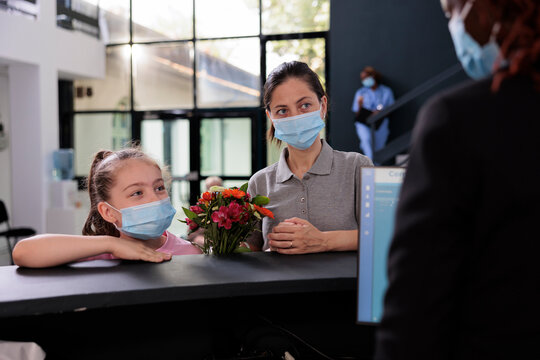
point(371, 98)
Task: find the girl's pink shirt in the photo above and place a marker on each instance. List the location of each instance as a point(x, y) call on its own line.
point(173, 245)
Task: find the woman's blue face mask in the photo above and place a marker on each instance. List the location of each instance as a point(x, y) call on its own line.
point(477, 61)
point(299, 131)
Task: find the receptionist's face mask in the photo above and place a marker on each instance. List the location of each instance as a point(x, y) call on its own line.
point(477, 61)
point(299, 131)
point(146, 221)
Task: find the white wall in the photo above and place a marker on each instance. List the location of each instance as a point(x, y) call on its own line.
point(37, 53)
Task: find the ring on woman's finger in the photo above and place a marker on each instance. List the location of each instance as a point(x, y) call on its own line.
point(290, 247)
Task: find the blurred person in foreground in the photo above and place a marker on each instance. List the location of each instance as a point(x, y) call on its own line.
point(463, 269)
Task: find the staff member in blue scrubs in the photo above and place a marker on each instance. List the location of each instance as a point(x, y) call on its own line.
point(374, 97)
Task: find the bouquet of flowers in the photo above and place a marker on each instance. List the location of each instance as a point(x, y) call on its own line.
point(228, 217)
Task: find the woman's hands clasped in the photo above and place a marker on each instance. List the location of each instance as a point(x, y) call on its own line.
point(297, 236)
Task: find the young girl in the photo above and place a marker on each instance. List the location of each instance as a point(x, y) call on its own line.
point(130, 211)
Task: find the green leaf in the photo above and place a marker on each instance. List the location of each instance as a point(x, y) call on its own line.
point(241, 250)
point(244, 187)
point(190, 214)
point(261, 200)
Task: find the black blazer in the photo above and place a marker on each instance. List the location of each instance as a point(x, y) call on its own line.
point(464, 263)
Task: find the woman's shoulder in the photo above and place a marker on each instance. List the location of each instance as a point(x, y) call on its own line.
point(261, 177)
point(351, 158)
point(270, 169)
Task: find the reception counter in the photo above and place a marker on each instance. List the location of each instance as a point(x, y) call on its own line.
point(193, 306)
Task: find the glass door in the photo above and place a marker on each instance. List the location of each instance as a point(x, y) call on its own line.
point(198, 146)
point(228, 146)
point(168, 142)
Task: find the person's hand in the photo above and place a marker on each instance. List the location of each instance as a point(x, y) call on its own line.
point(198, 240)
point(296, 236)
point(360, 101)
point(128, 248)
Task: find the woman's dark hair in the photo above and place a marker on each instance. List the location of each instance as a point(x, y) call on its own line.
point(285, 71)
point(101, 179)
point(521, 44)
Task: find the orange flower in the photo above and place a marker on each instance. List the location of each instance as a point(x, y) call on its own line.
point(237, 193)
point(206, 197)
point(264, 211)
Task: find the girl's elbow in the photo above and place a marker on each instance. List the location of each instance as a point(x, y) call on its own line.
point(18, 255)
point(21, 254)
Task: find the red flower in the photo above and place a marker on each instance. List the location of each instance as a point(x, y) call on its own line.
point(227, 215)
point(221, 217)
point(192, 224)
point(245, 215)
point(235, 211)
point(206, 197)
point(196, 209)
point(263, 211)
point(233, 193)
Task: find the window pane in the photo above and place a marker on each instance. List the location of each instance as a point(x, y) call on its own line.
point(66, 16)
point(226, 147)
point(162, 20)
point(152, 139)
point(111, 93)
point(310, 51)
point(116, 15)
point(179, 194)
point(218, 18)
point(289, 16)
point(228, 73)
point(163, 76)
point(168, 143)
point(94, 132)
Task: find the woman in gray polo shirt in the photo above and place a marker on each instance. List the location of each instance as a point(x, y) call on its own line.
point(314, 190)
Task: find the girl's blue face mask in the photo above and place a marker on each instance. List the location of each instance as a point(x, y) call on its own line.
point(299, 131)
point(477, 61)
point(146, 221)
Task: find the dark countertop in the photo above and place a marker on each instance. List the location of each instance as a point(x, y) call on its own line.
point(102, 284)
